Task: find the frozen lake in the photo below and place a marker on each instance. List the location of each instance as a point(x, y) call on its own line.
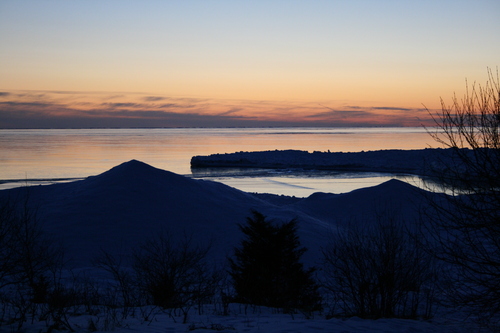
point(41, 156)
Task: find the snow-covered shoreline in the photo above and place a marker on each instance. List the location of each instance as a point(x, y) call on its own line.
point(127, 205)
point(417, 162)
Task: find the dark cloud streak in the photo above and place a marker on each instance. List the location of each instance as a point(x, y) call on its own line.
point(121, 105)
point(231, 111)
point(341, 113)
point(176, 106)
point(153, 98)
point(389, 108)
point(30, 105)
point(122, 118)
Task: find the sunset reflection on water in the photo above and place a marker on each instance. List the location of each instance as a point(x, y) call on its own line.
point(77, 153)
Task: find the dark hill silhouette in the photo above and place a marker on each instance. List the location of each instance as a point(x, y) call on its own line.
point(393, 198)
point(134, 201)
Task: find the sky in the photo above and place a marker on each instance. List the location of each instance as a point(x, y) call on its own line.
point(222, 63)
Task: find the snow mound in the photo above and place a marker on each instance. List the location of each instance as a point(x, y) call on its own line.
point(392, 199)
point(132, 202)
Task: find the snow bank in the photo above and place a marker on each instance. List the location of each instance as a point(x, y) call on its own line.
point(418, 162)
point(132, 202)
point(257, 320)
point(122, 207)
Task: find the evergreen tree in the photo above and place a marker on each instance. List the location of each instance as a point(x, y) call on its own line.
point(266, 268)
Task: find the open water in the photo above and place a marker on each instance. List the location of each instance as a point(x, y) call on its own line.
point(53, 155)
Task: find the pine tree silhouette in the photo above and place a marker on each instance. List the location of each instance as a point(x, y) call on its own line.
point(266, 268)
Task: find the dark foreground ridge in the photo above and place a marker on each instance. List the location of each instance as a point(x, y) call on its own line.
point(419, 162)
point(133, 202)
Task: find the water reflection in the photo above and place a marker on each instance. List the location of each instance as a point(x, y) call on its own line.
point(84, 152)
point(40, 156)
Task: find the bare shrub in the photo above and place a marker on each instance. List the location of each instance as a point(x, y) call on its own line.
point(29, 262)
point(378, 269)
point(466, 226)
point(122, 291)
point(174, 275)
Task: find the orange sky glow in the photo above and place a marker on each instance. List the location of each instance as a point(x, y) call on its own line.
point(224, 64)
